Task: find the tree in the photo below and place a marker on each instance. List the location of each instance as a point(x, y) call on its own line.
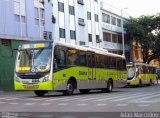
point(146, 31)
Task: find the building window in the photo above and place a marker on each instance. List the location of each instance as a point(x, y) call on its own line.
point(98, 40)
point(39, 19)
point(106, 18)
point(114, 38)
point(17, 18)
point(90, 37)
point(81, 22)
point(96, 18)
point(113, 20)
point(120, 39)
point(72, 34)
point(71, 10)
point(62, 33)
point(82, 43)
point(89, 15)
point(80, 2)
point(107, 37)
point(61, 6)
point(119, 22)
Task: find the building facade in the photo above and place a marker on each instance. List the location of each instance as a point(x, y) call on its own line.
point(80, 22)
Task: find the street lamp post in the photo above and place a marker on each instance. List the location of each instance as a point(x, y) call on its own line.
point(123, 48)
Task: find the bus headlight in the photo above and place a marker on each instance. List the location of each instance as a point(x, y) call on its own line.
point(46, 78)
point(17, 78)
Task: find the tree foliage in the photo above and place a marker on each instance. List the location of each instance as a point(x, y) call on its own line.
point(146, 30)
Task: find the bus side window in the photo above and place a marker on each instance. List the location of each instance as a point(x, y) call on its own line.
point(82, 58)
point(124, 64)
point(59, 57)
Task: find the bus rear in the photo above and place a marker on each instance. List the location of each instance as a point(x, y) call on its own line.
point(33, 67)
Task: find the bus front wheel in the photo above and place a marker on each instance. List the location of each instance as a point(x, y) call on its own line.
point(40, 93)
point(69, 89)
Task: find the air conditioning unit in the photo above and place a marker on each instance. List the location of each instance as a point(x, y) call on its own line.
point(41, 1)
point(53, 19)
point(80, 2)
point(81, 22)
point(98, 40)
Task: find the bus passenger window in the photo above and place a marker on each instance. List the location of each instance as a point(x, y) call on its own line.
point(60, 58)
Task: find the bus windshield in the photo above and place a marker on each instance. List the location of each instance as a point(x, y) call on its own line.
point(34, 60)
point(130, 72)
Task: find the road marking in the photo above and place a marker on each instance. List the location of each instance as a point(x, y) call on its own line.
point(101, 97)
point(121, 105)
point(145, 101)
point(45, 104)
point(29, 104)
point(88, 97)
point(45, 116)
point(81, 104)
point(143, 105)
point(58, 99)
point(14, 103)
point(141, 95)
point(116, 96)
point(63, 104)
point(145, 98)
point(2, 102)
point(101, 104)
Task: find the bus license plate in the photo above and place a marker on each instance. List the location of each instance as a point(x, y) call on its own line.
point(30, 86)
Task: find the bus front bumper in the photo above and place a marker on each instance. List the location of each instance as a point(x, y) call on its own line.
point(31, 86)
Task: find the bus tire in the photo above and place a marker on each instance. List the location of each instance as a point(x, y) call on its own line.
point(150, 82)
point(40, 93)
point(69, 88)
point(140, 83)
point(109, 86)
point(84, 91)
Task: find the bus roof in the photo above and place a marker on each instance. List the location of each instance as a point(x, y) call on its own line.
point(92, 49)
point(140, 64)
point(84, 48)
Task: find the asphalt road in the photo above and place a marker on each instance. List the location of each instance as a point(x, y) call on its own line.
point(130, 99)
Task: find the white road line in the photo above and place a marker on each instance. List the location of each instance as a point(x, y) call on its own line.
point(35, 99)
point(145, 98)
point(2, 102)
point(101, 104)
point(45, 104)
point(14, 103)
point(143, 105)
point(116, 96)
point(143, 102)
point(87, 97)
point(137, 96)
point(63, 104)
point(121, 105)
point(29, 104)
point(81, 104)
point(102, 97)
point(54, 99)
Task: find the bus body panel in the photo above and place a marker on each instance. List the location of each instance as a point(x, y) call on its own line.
point(145, 77)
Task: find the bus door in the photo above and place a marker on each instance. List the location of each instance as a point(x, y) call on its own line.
point(91, 66)
point(119, 67)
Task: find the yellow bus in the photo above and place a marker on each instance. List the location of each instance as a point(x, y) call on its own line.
point(44, 66)
point(141, 74)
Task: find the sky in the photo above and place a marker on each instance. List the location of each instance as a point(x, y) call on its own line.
point(136, 8)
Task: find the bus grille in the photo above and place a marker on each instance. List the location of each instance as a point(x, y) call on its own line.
point(129, 78)
point(30, 76)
